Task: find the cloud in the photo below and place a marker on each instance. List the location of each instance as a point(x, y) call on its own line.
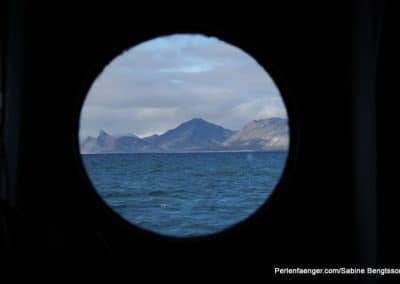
point(160, 83)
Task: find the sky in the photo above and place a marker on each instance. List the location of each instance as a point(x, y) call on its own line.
point(158, 84)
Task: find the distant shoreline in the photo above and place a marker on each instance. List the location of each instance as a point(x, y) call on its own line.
point(193, 152)
point(197, 136)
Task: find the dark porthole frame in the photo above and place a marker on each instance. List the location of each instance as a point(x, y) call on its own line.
point(104, 213)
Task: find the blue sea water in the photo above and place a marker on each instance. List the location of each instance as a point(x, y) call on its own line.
point(185, 194)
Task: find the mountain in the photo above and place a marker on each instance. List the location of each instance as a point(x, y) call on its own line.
point(132, 143)
point(264, 134)
point(196, 135)
point(105, 143)
point(151, 139)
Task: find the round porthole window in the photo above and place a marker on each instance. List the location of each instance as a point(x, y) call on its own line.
point(184, 135)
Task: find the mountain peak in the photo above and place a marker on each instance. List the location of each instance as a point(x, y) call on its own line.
point(196, 120)
point(199, 125)
point(194, 134)
point(196, 123)
point(103, 133)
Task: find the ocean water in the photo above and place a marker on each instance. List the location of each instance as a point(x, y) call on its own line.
point(185, 194)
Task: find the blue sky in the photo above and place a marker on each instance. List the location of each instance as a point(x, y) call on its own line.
point(161, 83)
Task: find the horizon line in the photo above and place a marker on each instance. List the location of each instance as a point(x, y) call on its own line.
point(193, 152)
point(165, 131)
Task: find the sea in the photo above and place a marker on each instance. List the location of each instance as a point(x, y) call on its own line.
point(185, 194)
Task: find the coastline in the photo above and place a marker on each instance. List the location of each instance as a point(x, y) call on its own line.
point(192, 152)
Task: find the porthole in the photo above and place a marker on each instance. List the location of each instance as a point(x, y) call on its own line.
point(184, 135)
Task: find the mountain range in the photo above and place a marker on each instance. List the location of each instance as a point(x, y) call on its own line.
point(196, 135)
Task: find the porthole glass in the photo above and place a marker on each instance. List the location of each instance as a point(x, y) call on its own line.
point(184, 135)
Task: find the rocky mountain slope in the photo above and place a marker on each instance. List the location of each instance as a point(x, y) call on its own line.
point(264, 134)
